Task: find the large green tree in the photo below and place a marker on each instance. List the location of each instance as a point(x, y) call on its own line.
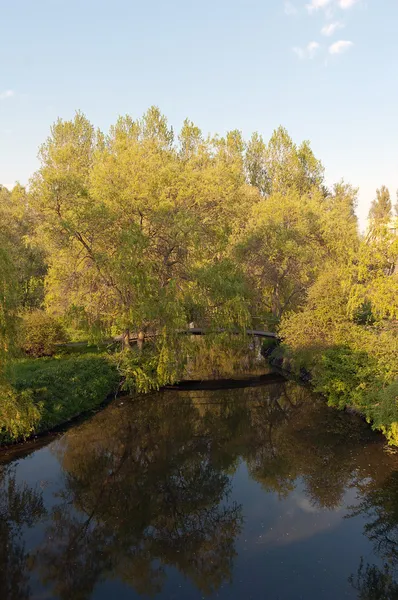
point(28, 261)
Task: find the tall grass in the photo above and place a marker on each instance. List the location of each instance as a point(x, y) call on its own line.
point(47, 392)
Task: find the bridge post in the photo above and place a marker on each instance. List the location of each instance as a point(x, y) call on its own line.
point(257, 348)
point(140, 340)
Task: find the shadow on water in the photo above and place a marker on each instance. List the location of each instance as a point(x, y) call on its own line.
point(151, 495)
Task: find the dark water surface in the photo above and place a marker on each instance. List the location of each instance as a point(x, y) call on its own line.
point(261, 492)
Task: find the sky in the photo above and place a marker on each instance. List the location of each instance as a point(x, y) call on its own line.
point(327, 70)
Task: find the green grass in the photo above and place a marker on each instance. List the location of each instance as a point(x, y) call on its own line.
point(49, 392)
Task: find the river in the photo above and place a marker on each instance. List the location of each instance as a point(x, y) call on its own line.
point(252, 493)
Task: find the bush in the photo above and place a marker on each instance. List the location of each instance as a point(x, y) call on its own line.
point(19, 414)
point(344, 376)
point(40, 333)
point(382, 410)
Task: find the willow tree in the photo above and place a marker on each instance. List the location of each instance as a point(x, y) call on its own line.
point(136, 227)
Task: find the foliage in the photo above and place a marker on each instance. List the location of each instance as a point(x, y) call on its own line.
point(7, 305)
point(19, 414)
point(40, 333)
point(381, 209)
point(343, 375)
point(353, 359)
point(141, 231)
point(18, 224)
point(153, 367)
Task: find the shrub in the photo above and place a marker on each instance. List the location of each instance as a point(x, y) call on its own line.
point(40, 334)
point(382, 410)
point(19, 414)
point(344, 376)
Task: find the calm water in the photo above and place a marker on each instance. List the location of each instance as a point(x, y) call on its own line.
point(246, 493)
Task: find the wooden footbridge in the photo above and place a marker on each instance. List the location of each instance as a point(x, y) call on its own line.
point(202, 331)
point(250, 332)
point(150, 335)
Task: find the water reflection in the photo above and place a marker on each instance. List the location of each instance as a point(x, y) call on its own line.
point(374, 583)
point(20, 507)
point(378, 504)
point(150, 486)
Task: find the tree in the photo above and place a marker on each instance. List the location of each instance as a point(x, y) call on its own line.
point(289, 166)
point(29, 262)
point(381, 209)
point(340, 223)
point(190, 140)
point(256, 164)
point(136, 229)
point(281, 249)
point(7, 304)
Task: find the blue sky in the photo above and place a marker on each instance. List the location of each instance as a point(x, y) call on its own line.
point(325, 69)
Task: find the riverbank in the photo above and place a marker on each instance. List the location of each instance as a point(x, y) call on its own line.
point(46, 393)
point(359, 375)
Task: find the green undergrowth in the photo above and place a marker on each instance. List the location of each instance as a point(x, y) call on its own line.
point(359, 371)
point(47, 392)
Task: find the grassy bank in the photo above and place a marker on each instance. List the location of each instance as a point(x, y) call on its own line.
point(47, 392)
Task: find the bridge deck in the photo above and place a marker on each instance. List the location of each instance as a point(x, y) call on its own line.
point(252, 332)
point(191, 331)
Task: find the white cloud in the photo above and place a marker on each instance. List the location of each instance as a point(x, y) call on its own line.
point(7, 94)
point(290, 9)
point(317, 4)
point(344, 4)
point(330, 29)
point(308, 52)
point(340, 47)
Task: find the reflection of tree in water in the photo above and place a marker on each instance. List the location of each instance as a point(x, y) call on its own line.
point(20, 507)
point(378, 502)
point(147, 484)
point(380, 505)
point(373, 583)
point(141, 492)
point(296, 436)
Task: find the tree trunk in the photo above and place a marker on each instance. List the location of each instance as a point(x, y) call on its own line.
point(257, 348)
